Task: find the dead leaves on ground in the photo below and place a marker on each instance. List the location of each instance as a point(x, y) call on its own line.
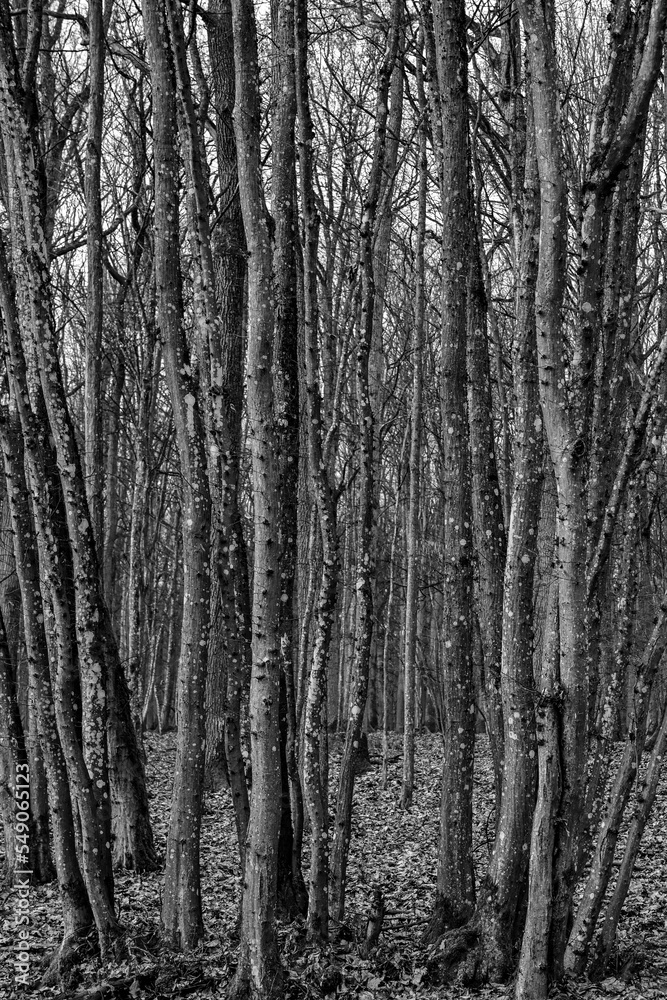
point(392, 850)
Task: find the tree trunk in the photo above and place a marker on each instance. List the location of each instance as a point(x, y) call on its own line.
point(455, 880)
point(595, 888)
point(503, 900)
point(315, 790)
point(645, 799)
point(412, 589)
point(291, 890)
point(87, 765)
point(259, 967)
point(94, 298)
point(76, 909)
point(533, 974)
point(181, 908)
point(365, 569)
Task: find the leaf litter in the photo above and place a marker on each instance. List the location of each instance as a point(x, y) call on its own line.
point(392, 850)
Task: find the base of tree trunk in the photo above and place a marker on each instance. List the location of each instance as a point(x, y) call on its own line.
point(472, 952)
point(139, 856)
point(456, 957)
point(361, 761)
point(74, 949)
point(216, 775)
point(463, 948)
point(446, 917)
point(241, 989)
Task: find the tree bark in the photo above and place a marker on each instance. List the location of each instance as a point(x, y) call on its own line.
point(259, 970)
point(181, 908)
point(94, 298)
point(230, 277)
point(365, 569)
point(503, 900)
point(77, 912)
point(412, 587)
point(455, 880)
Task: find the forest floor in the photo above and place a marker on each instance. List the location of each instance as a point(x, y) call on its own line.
point(391, 850)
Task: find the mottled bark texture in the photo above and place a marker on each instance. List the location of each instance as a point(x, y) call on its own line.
point(503, 896)
point(455, 882)
point(93, 395)
point(412, 543)
point(77, 913)
point(43, 404)
point(318, 466)
point(229, 250)
point(181, 907)
point(259, 971)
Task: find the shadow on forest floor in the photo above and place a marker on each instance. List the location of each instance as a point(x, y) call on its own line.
point(391, 850)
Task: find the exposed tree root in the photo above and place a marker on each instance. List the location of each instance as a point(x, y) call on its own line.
point(73, 950)
point(456, 957)
point(464, 947)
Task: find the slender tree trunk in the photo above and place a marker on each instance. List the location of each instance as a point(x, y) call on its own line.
point(645, 799)
point(88, 764)
point(230, 254)
point(259, 968)
point(167, 708)
point(567, 449)
point(94, 249)
point(412, 591)
point(365, 569)
point(41, 860)
point(488, 522)
point(503, 899)
point(14, 767)
point(181, 907)
point(315, 790)
point(597, 882)
point(291, 890)
point(533, 974)
point(76, 909)
point(455, 881)
point(111, 479)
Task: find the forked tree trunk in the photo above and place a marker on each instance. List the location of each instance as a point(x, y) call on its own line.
point(567, 449)
point(503, 897)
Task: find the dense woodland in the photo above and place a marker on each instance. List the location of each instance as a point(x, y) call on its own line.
point(333, 397)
